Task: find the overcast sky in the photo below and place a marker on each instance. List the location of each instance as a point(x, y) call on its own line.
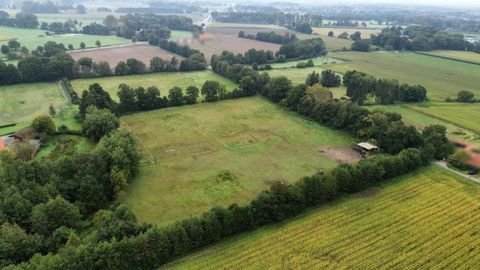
point(463, 3)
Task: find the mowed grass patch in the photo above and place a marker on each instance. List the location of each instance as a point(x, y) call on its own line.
point(424, 220)
point(200, 156)
point(21, 102)
point(443, 78)
point(32, 38)
point(164, 81)
point(463, 56)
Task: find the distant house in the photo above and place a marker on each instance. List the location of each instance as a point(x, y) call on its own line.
point(472, 150)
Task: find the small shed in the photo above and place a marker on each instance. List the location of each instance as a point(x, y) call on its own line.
point(368, 147)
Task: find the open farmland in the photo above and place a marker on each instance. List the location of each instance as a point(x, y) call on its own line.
point(462, 56)
point(199, 156)
point(424, 220)
point(366, 32)
point(113, 55)
point(31, 38)
point(164, 81)
point(443, 78)
point(21, 102)
point(423, 115)
point(229, 42)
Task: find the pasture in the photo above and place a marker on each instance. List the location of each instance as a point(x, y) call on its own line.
point(113, 55)
point(196, 157)
point(31, 38)
point(462, 56)
point(22, 102)
point(423, 115)
point(424, 220)
point(443, 78)
point(164, 81)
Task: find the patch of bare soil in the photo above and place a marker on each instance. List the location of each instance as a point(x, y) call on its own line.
point(341, 154)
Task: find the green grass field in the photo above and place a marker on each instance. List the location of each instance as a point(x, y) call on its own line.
point(188, 151)
point(164, 81)
point(21, 102)
point(424, 220)
point(469, 57)
point(336, 44)
point(442, 77)
point(31, 38)
point(365, 32)
point(176, 34)
point(422, 115)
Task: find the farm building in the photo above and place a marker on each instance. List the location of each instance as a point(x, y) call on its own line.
point(365, 148)
point(8, 141)
point(472, 151)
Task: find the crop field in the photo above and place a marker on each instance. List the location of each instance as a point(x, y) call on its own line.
point(31, 38)
point(164, 81)
point(210, 154)
point(462, 56)
point(443, 78)
point(366, 32)
point(424, 220)
point(113, 55)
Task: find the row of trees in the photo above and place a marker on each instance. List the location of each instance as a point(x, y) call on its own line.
point(385, 91)
point(270, 37)
point(420, 38)
point(21, 20)
point(301, 22)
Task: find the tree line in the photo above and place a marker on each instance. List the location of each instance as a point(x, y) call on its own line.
point(51, 62)
point(300, 22)
point(385, 91)
point(421, 38)
point(270, 37)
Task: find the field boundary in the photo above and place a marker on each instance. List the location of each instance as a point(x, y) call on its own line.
point(448, 58)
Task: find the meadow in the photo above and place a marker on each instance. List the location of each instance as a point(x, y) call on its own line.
point(196, 157)
point(31, 38)
point(423, 220)
point(462, 56)
point(164, 81)
point(21, 102)
point(442, 77)
point(422, 115)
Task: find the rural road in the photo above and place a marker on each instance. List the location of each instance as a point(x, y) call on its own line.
point(443, 164)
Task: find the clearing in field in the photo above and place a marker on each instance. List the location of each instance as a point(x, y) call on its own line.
point(164, 81)
point(113, 55)
point(31, 38)
point(200, 156)
point(443, 78)
point(424, 220)
point(462, 56)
